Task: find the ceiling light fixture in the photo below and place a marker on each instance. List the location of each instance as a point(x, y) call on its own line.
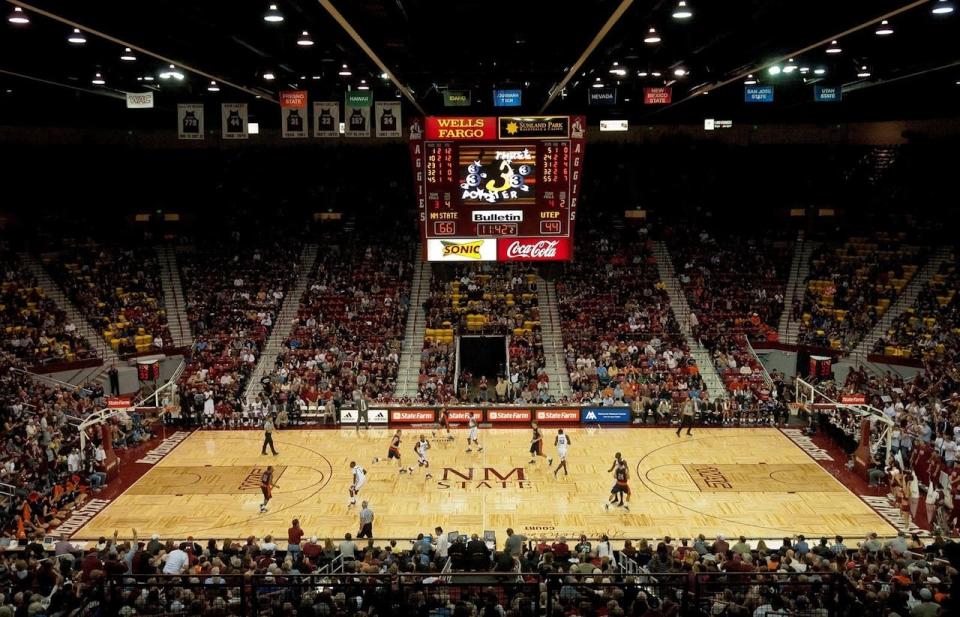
point(213, 87)
point(98, 80)
point(682, 11)
point(273, 15)
point(363, 85)
point(864, 72)
point(774, 70)
point(942, 7)
point(18, 17)
point(680, 71)
point(269, 76)
point(789, 68)
point(641, 73)
point(344, 71)
point(652, 37)
point(819, 71)
point(127, 55)
point(804, 70)
point(834, 48)
point(314, 77)
point(384, 76)
point(749, 81)
point(305, 40)
point(170, 73)
point(884, 29)
point(656, 73)
point(76, 37)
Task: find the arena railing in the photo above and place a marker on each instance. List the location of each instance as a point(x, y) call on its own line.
point(702, 593)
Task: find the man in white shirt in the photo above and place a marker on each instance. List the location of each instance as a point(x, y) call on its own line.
point(443, 542)
point(348, 548)
point(177, 560)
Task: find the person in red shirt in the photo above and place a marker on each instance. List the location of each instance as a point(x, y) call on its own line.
point(294, 535)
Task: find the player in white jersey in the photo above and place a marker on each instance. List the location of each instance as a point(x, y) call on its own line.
point(359, 479)
point(562, 442)
point(474, 436)
point(421, 448)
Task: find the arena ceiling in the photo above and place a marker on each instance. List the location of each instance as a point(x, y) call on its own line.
point(429, 46)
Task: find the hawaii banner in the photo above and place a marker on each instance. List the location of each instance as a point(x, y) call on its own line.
point(233, 121)
point(190, 121)
point(357, 113)
point(293, 114)
point(326, 119)
point(388, 119)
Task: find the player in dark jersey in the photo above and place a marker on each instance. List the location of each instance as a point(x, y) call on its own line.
point(620, 488)
point(443, 422)
point(266, 487)
point(394, 452)
point(536, 444)
point(619, 463)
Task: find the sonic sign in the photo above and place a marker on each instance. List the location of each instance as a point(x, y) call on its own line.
point(497, 188)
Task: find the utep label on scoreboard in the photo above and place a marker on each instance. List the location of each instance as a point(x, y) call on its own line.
point(461, 129)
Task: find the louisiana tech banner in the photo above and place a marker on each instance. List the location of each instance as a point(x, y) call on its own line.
point(190, 121)
point(233, 121)
point(387, 118)
point(293, 114)
point(326, 119)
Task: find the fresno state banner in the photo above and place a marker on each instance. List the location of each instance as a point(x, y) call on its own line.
point(293, 114)
point(533, 249)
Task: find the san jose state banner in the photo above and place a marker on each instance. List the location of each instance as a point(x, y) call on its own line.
point(190, 121)
point(387, 118)
point(326, 119)
point(293, 114)
point(233, 121)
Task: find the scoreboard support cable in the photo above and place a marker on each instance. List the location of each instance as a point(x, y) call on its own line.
point(497, 188)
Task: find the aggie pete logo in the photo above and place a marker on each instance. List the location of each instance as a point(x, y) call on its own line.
point(462, 249)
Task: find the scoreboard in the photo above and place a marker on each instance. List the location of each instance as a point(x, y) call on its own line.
point(497, 188)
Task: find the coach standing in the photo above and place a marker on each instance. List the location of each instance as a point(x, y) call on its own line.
point(268, 436)
point(363, 409)
point(366, 521)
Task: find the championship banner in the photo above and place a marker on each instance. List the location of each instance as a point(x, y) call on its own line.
point(233, 121)
point(326, 119)
point(657, 96)
point(293, 114)
point(190, 121)
point(456, 98)
point(139, 100)
point(387, 116)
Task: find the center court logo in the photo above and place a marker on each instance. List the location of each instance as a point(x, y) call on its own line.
point(481, 478)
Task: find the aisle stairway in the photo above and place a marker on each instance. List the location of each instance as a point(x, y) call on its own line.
point(803, 250)
point(283, 324)
point(174, 302)
point(681, 310)
point(904, 301)
point(52, 291)
point(550, 332)
point(409, 371)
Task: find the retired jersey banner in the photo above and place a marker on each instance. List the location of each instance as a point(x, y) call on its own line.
point(293, 114)
point(357, 121)
point(387, 117)
point(657, 96)
point(233, 121)
point(326, 119)
point(190, 121)
point(139, 100)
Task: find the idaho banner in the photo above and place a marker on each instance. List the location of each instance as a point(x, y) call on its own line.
point(357, 114)
point(326, 119)
point(388, 119)
point(190, 121)
point(293, 114)
point(233, 121)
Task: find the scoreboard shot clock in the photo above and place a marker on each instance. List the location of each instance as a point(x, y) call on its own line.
point(498, 179)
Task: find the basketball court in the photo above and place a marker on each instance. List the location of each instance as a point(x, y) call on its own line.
point(754, 482)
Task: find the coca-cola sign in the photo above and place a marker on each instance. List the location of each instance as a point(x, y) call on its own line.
point(533, 249)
